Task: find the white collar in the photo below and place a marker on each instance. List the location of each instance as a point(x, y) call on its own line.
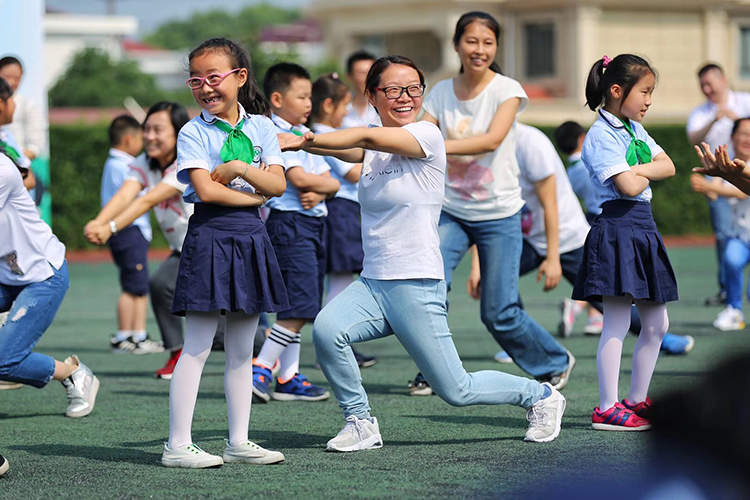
point(118, 153)
point(285, 125)
point(209, 118)
point(611, 119)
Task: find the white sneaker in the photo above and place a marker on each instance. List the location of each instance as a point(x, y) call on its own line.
point(189, 456)
point(545, 417)
point(568, 312)
point(730, 319)
point(147, 346)
point(250, 453)
point(357, 434)
point(7, 385)
point(503, 357)
point(82, 387)
point(4, 466)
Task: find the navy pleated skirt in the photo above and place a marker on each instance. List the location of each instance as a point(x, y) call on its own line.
point(344, 233)
point(228, 264)
point(625, 255)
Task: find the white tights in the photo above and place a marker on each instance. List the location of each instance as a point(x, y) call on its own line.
point(200, 328)
point(654, 324)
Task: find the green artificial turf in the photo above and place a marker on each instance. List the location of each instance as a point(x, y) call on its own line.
point(431, 449)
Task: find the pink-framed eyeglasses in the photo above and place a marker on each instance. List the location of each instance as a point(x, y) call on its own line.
point(214, 79)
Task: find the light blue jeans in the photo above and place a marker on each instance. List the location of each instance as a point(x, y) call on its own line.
point(414, 310)
point(721, 221)
point(736, 257)
point(32, 309)
point(499, 243)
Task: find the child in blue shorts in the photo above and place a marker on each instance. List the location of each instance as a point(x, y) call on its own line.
point(297, 229)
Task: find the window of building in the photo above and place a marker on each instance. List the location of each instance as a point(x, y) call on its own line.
point(539, 49)
point(745, 52)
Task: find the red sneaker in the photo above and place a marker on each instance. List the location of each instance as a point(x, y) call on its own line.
point(641, 409)
point(618, 418)
point(166, 371)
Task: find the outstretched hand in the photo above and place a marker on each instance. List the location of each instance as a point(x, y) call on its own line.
point(97, 233)
point(293, 142)
point(719, 163)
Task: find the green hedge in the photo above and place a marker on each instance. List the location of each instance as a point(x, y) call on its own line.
point(78, 152)
point(77, 155)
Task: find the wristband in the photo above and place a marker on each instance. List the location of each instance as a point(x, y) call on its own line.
point(113, 226)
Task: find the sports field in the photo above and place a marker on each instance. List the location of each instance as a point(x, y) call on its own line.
point(431, 449)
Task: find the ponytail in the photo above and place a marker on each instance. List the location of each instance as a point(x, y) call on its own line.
point(249, 94)
point(624, 70)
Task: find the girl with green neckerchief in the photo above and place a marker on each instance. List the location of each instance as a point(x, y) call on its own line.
point(230, 159)
point(625, 261)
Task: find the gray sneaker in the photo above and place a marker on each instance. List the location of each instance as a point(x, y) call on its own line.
point(545, 417)
point(251, 453)
point(189, 456)
point(561, 379)
point(358, 434)
point(81, 387)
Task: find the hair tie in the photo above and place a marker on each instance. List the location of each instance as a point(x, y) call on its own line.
point(605, 61)
point(335, 76)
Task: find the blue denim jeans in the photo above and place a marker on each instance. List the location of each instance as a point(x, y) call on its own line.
point(415, 311)
point(32, 309)
point(736, 257)
point(499, 245)
point(721, 221)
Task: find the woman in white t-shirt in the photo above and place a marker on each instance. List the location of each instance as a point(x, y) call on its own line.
point(401, 290)
point(154, 172)
point(476, 112)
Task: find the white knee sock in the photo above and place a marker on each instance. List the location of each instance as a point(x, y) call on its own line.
point(238, 380)
point(276, 342)
point(337, 282)
point(609, 354)
point(654, 324)
point(200, 328)
point(289, 360)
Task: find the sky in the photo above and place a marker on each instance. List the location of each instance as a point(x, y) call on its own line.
point(152, 13)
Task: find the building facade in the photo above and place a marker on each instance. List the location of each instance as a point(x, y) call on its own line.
point(550, 45)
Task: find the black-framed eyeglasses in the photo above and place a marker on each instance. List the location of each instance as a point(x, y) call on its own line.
point(395, 92)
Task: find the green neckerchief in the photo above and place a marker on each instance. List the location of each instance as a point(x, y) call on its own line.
point(10, 152)
point(237, 146)
point(638, 152)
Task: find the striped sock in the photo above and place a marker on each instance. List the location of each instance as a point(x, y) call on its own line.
point(290, 360)
point(274, 345)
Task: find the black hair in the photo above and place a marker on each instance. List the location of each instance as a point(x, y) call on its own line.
point(477, 15)
point(327, 87)
point(624, 70)
point(709, 67)
point(377, 68)
point(567, 135)
point(249, 95)
point(737, 123)
point(279, 77)
point(178, 117)
point(8, 60)
point(5, 90)
point(121, 126)
point(355, 57)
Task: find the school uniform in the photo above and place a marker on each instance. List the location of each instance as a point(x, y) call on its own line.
point(343, 224)
point(299, 235)
point(129, 246)
point(580, 181)
point(227, 262)
point(624, 253)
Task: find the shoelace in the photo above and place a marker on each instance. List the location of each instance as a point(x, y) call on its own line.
point(536, 416)
point(355, 425)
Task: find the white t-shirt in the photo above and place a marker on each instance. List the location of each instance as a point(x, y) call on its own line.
point(537, 160)
point(172, 214)
point(27, 245)
point(400, 198)
point(485, 186)
point(721, 131)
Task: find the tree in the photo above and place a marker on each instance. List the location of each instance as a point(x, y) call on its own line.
point(94, 79)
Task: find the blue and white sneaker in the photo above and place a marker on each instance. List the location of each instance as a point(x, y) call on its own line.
point(503, 357)
point(677, 344)
point(298, 388)
point(261, 384)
